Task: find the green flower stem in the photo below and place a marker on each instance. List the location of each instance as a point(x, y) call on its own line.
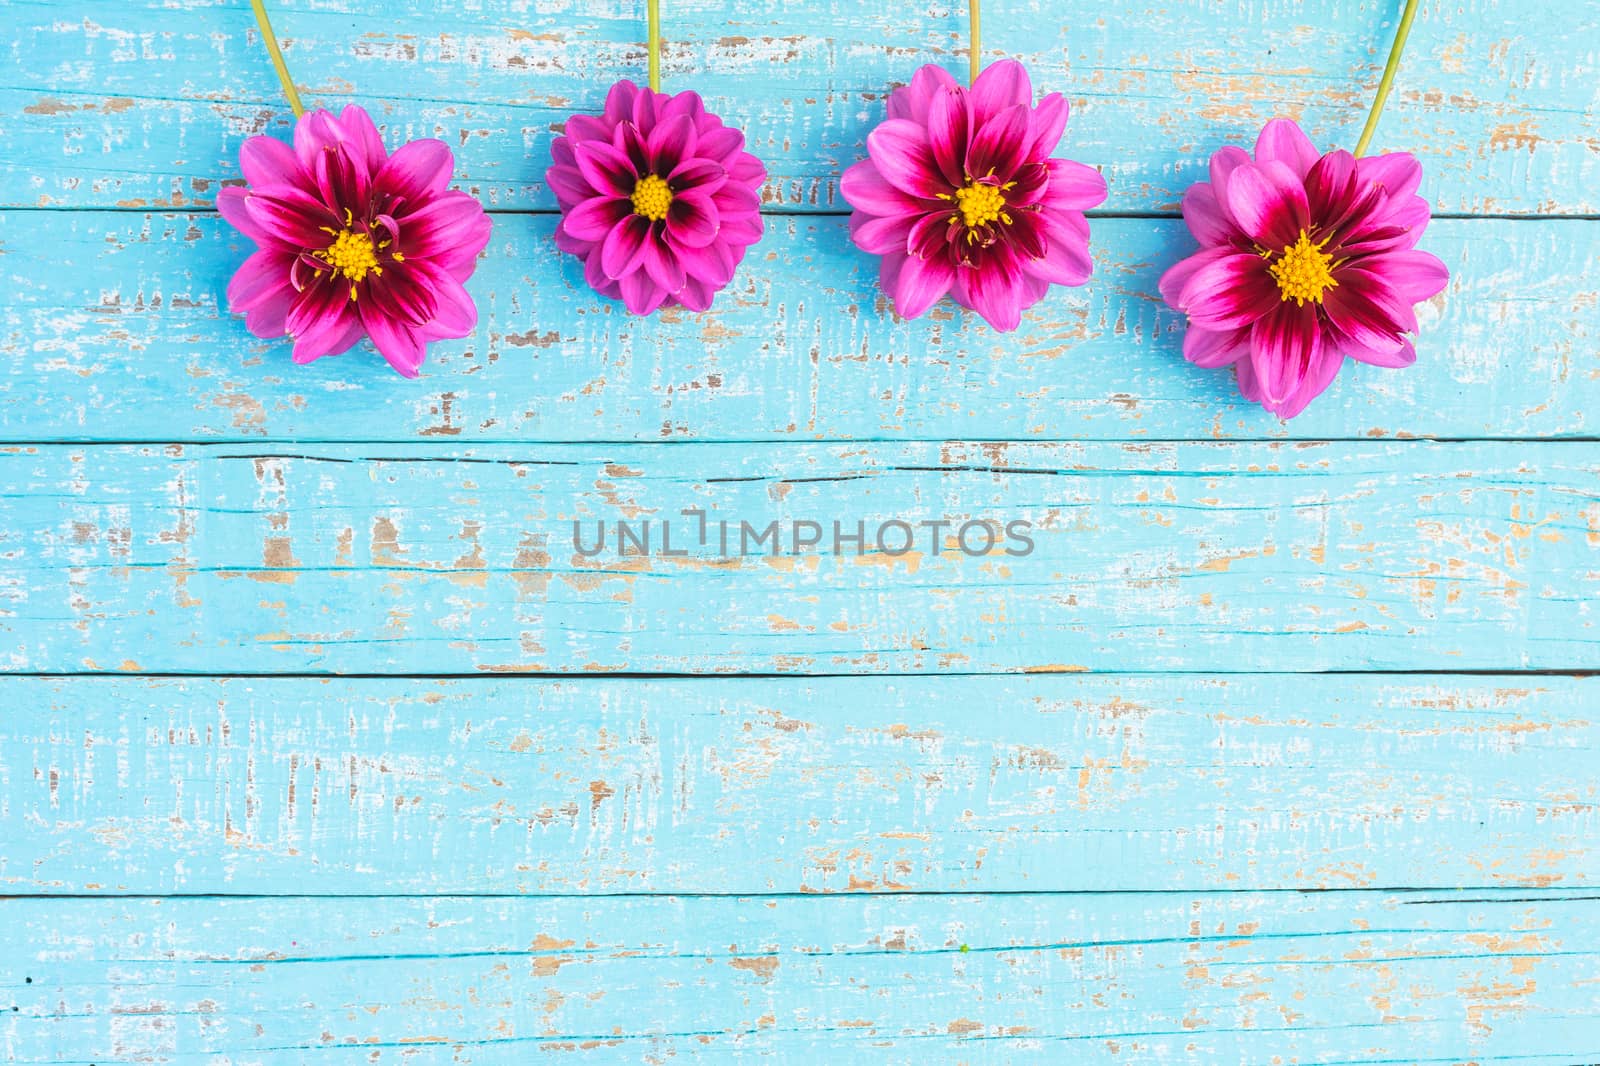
point(1389, 69)
point(653, 16)
point(278, 64)
point(974, 40)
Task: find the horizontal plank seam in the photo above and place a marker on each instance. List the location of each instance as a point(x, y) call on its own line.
point(680, 442)
point(1448, 893)
point(1576, 672)
point(793, 212)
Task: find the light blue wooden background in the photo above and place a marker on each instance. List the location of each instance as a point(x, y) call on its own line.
point(319, 744)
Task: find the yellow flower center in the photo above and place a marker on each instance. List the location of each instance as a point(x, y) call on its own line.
point(981, 203)
point(1303, 273)
point(651, 198)
point(352, 255)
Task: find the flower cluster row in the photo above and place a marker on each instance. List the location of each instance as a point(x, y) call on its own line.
point(1306, 258)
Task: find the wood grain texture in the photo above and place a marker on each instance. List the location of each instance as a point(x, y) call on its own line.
point(413, 559)
point(788, 785)
point(1321, 978)
point(119, 103)
point(1207, 852)
point(113, 331)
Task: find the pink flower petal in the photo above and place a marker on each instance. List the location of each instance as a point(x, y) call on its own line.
point(319, 315)
point(568, 185)
point(1397, 173)
point(259, 278)
point(1224, 161)
point(1331, 187)
point(880, 236)
point(670, 143)
point(461, 258)
point(911, 101)
point(693, 221)
point(1177, 276)
point(947, 135)
point(697, 175)
point(866, 189)
point(292, 217)
point(714, 264)
point(268, 161)
point(999, 143)
point(1245, 374)
point(901, 152)
point(1268, 201)
point(718, 143)
point(1415, 275)
point(446, 223)
point(735, 199)
point(645, 102)
point(1049, 122)
point(640, 294)
point(1283, 141)
point(1317, 380)
point(1229, 291)
point(231, 206)
point(1000, 85)
point(619, 102)
point(607, 170)
point(1283, 346)
point(418, 171)
point(921, 284)
point(341, 178)
point(454, 314)
point(269, 319)
point(1074, 186)
point(1214, 348)
point(592, 219)
point(992, 293)
point(739, 230)
point(1206, 219)
point(1399, 357)
point(687, 103)
point(399, 344)
point(1324, 368)
point(405, 293)
point(695, 295)
point(580, 128)
point(927, 236)
point(1030, 184)
point(746, 169)
point(1064, 263)
point(315, 132)
point(1368, 310)
point(663, 267)
point(364, 137)
point(624, 246)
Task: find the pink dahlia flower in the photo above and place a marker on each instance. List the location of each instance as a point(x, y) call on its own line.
point(959, 195)
point(353, 242)
point(658, 198)
point(1305, 260)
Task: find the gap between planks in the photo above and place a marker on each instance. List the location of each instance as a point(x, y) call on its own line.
point(1432, 894)
point(784, 212)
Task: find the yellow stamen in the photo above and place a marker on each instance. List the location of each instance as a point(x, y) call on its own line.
point(981, 203)
point(651, 198)
point(351, 256)
point(1303, 273)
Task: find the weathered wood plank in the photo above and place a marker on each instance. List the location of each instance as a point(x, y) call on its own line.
point(1348, 977)
point(407, 558)
point(112, 331)
point(788, 785)
point(140, 104)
